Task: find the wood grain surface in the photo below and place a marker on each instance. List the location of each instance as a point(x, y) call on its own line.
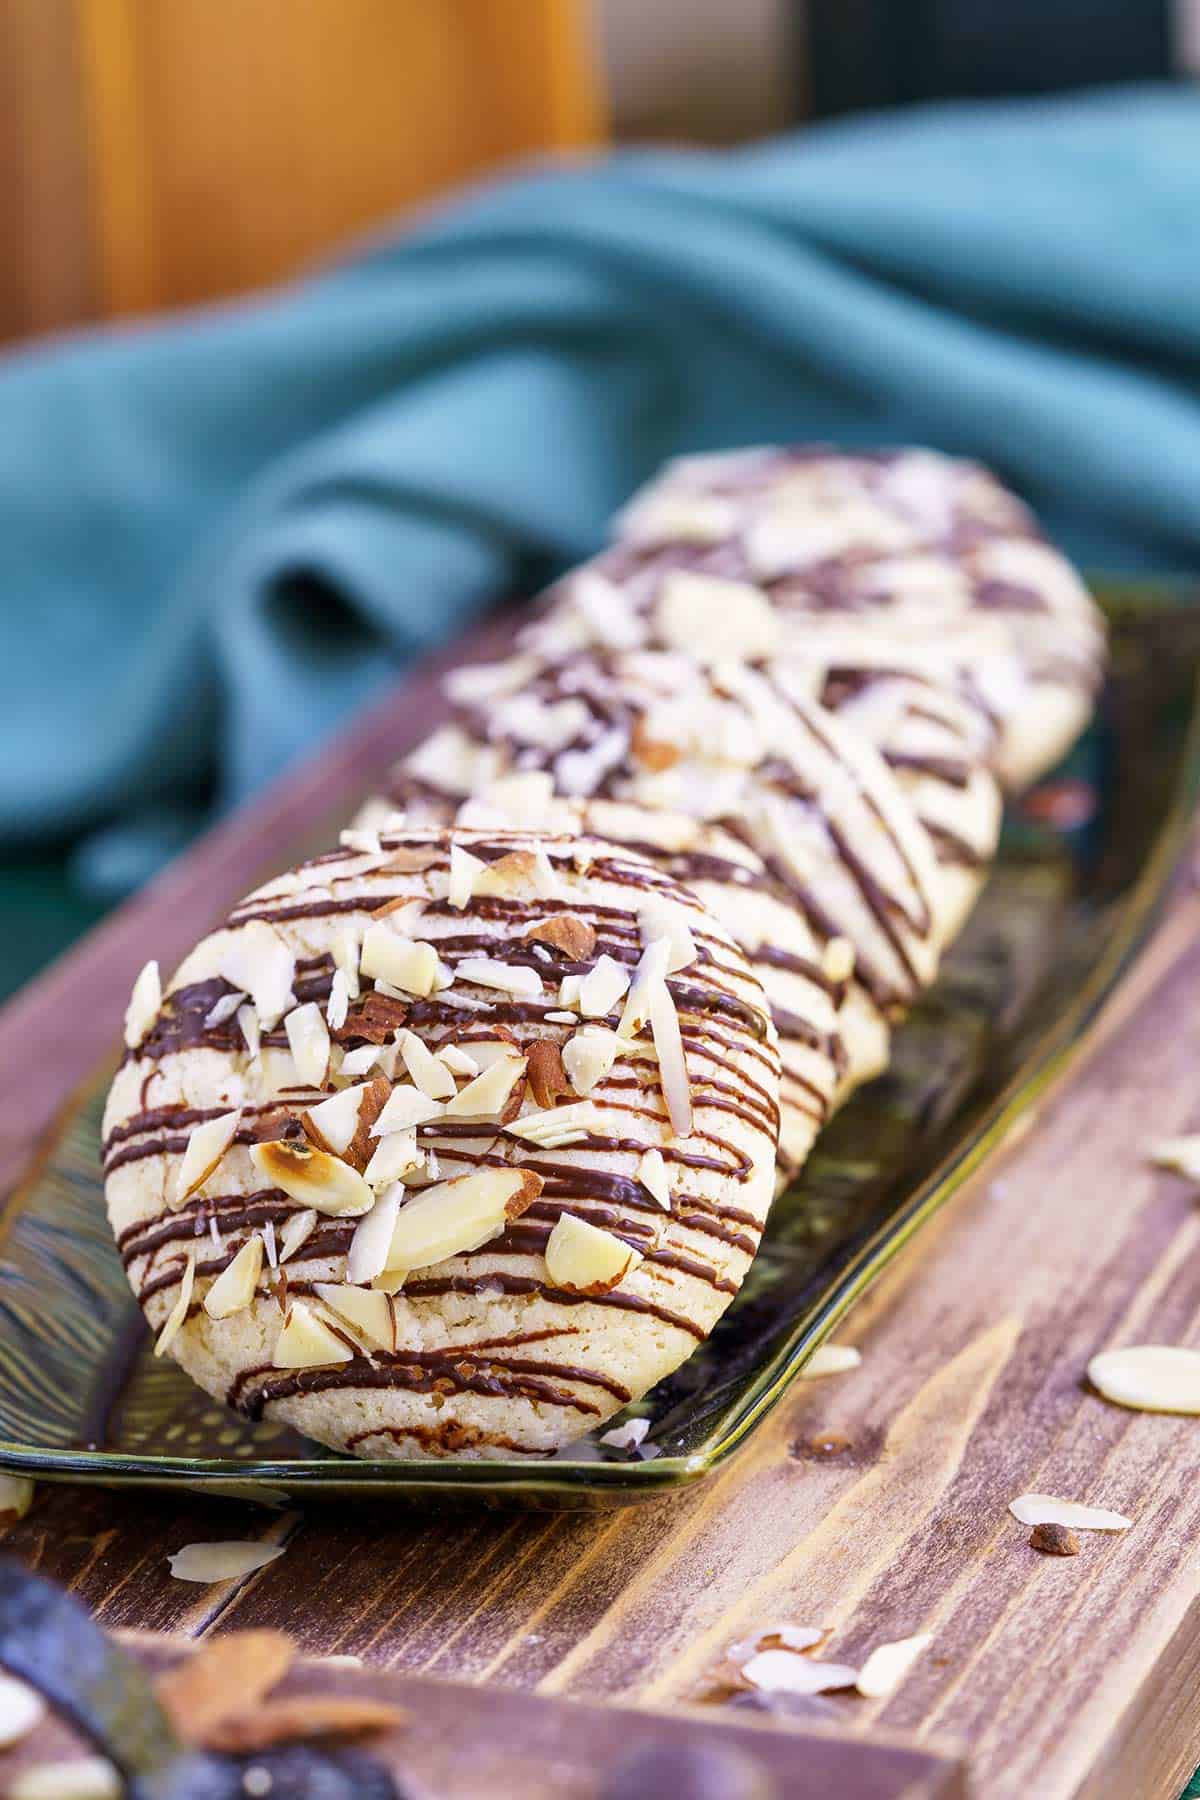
point(873, 1502)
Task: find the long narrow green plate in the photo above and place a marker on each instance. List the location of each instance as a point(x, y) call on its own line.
point(1084, 863)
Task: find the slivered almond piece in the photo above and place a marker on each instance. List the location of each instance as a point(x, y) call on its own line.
point(372, 1239)
point(888, 1664)
point(236, 1285)
point(567, 933)
point(367, 1057)
point(258, 960)
point(205, 1148)
point(226, 1677)
point(648, 978)
point(547, 1076)
point(179, 1312)
point(339, 1001)
point(305, 1341)
point(783, 1672)
point(144, 1004)
point(831, 1359)
point(520, 872)
point(250, 1028)
point(583, 1259)
point(346, 951)
point(407, 1107)
point(1043, 1509)
point(543, 1128)
point(368, 1311)
point(654, 1177)
point(606, 982)
point(396, 1157)
point(465, 871)
point(221, 1562)
point(589, 1055)
point(16, 1497)
point(1149, 1377)
point(222, 1010)
point(313, 1177)
point(343, 1124)
point(837, 959)
point(308, 1040)
point(505, 978)
point(297, 1717)
point(458, 1060)
point(296, 1232)
point(491, 1094)
point(662, 918)
point(79, 1778)
point(404, 963)
point(432, 1077)
point(672, 1064)
point(460, 1215)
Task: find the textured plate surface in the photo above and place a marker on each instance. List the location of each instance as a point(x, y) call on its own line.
point(1084, 861)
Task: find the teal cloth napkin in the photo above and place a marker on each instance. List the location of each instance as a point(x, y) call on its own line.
point(220, 534)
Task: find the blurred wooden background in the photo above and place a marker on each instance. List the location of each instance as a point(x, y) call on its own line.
point(158, 152)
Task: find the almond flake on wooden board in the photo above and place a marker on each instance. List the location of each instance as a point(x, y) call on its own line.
point(16, 1497)
point(76, 1778)
point(783, 1672)
point(237, 1284)
point(1180, 1154)
point(296, 1232)
point(313, 1177)
point(584, 1259)
point(1162, 1378)
point(226, 1677)
point(179, 1311)
point(305, 1341)
point(206, 1146)
point(1043, 1509)
point(888, 1664)
point(221, 1561)
point(144, 1004)
point(831, 1359)
point(21, 1709)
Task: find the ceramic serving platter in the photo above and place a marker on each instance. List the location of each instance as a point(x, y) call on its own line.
point(1084, 862)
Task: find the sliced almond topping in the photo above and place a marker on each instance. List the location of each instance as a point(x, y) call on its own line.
point(409, 859)
point(672, 1064)
point(224, 1678)
point(396, 1157)
point(465, 871)
point(361, 841)
point(305, 1341)
point(888, 1664)
point(783, 1672)
point(377, 1018)
point(648, 980)
point(250, 1028)
point(654, 1177)
point(346, 951)
point(547, 1075)
point(460, 1215)
point(662, 918)
point(520, 872)
point(235, 1287)
point(605, 983)
point(506, 978)
point(545, 1128)
point(16, 1497)
point(583, 1259)
point(258, 960)
point(21, 1709)
point(713, 620)
point(431, 1076)
point(144, 1003)
point(407, 1108)
point(80, 1778)
point(457, 1060)
point(297, 1717)
point(567, 933)
point(831, 1359)
point(205, 1148)
point(372, 1239)
point(837, 959)
point(221, 1562)
point(296, 1232)
point(569, 989)
point(1149, 1377)
point(1043, 1509)
point(179, 1311)
point(224, 1009)
point(339, 1001)
point(404, 963)
point(313, 1177)
point(332, 1123)
point(627, 1436)
point(308, 1040)
point(368, 1311)
point(588, 1057)
point(491, 1094)
point(366, 1058)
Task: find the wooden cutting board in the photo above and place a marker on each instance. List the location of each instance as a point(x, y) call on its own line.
point(873, 1502)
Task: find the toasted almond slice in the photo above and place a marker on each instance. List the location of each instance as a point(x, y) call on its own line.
point(1149, 1377)
point(648, 979)
point(250, 1028)
point(627, 1436)
point(567, 933)
point(237, 1284)
point(332, 1123)
point(339, 1001)
point(305, 1341)
point(1043, 1509)
point(368, 1311)
point(831, 1359)
point(583, 1259)
point(837, 960)
point(654, 1177)
point(144, 1004)
point(407, 1107)
point(395, 1157)
point(372, 1239)
point(888, 1664)
point(589, 1055)
point(460, 1215)
point(490, 1095)
point(605, 983)
point(405, 963)
point(542, 1128)
point(296, 1233)
point(505, 978)
point(221, 1562)
point(432, 1077)
point(179, 1311)
point(346, 951)
point(672, 1064)
point(783, 1672)
point(308, 1040)
point(548, 1079)
point(79, 1778)
point(258, 960)
point(21, 1709)
point(663, 918)
point(16, 1497)
point(222, 1010)
point(390, 1281)
point(313, 1177)
point(458, 1060)
point(205, 1148)
point(465, 871)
